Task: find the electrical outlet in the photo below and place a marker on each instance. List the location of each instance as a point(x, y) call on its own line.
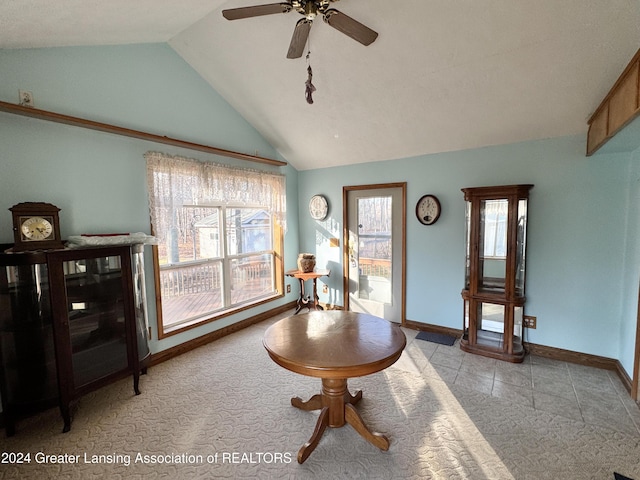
point(26, 98)
point(288, 288)
point(530, 321)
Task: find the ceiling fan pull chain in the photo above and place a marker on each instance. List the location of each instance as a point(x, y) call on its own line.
point(309, 87)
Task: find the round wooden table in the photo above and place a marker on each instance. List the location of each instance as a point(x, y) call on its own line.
point(335, 346)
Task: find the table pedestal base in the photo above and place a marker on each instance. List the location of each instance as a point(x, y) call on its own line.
point(337, 408)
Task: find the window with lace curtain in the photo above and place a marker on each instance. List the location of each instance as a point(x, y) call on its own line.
point(219, 231)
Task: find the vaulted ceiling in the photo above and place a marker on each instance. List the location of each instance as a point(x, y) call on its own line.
point(441, 76)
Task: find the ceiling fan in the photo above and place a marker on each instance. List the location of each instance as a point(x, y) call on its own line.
point(310, 9)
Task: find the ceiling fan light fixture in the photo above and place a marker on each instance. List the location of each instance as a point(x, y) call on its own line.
point(310, 10)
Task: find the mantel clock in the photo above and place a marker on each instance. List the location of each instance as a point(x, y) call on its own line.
point(36, 226)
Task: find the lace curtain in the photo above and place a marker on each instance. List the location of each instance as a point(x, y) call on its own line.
point(174, 181)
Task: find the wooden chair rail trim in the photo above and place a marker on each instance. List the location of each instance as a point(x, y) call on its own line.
point(126, 132)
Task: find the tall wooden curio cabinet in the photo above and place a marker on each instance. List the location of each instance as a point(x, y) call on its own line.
point(493, 295)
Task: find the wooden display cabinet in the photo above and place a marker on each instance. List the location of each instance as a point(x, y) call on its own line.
point(496, 229)
point(71, 321)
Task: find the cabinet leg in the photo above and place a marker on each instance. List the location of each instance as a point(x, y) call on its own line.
point(136, 382)
point(67, 422)
point(65, 410)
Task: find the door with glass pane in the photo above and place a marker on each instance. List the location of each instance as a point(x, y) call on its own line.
point(374, 250)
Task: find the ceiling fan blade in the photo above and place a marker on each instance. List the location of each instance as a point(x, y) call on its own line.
point(299, 38)
point(256, 11)
point(347, 25)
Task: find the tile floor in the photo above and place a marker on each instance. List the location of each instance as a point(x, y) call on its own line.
point(587, 394)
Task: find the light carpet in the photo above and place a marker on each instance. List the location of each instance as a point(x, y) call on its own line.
point(223, 411)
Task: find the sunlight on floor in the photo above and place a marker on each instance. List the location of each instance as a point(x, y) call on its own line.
point(462, 428)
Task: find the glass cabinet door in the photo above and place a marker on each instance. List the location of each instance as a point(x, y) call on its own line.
point(521, 246)
point(140, 303)
point(490, 324)
point(95, 306)
point(467, 267)
point(28, 380)
point(95, 319)
point(492, 248)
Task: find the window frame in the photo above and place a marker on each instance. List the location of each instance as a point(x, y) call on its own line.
point(278, 280)
point(277, 267)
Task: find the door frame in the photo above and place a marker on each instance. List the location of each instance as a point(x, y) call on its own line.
point(345, 241)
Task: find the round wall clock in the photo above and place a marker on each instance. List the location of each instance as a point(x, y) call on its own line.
point(318, 207)
point(428, 209)
point(36, 226)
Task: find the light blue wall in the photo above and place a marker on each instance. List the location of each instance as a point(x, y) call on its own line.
point(631, 267)
point(98, 179)
point(583, 252)
point(578, 219)
point(627, 143)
